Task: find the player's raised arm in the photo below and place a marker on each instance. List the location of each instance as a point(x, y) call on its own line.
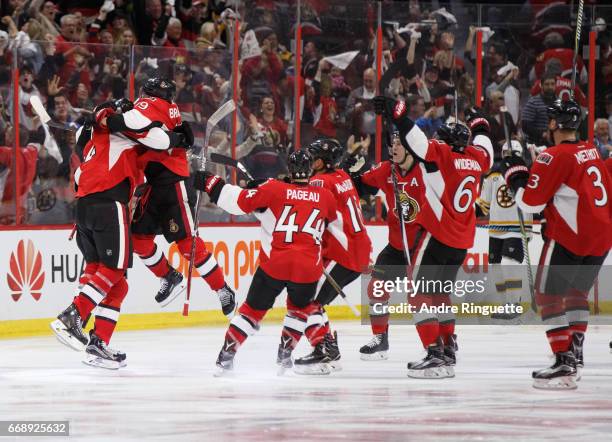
point(231, 198)
point(412, 137)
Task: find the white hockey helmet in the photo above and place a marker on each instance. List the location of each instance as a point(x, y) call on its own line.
point(515, 146)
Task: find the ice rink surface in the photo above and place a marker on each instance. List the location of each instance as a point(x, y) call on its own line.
point(167, 391)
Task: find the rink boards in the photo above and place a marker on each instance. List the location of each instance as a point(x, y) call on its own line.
point(40, 270)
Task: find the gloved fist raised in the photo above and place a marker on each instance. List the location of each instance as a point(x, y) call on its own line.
point(515, 171)
point(389, 107)
point(209, 183)
point(185, 129)
point(477, 121)
point(124, 105)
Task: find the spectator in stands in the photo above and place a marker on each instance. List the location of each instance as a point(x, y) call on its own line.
point(602, 137)
point(27, 166)
point(466, 88)
point(555, 48)
point(260, 74)
point(451, 67)
point(268, 119)
point(497, 119)
point(45, 12)
point(149, 14)
point(534, 120)
point(428, 120)
point(360, 102)
point(504, 82)
point(172, 37)
point(75, 56)
point(26, 90)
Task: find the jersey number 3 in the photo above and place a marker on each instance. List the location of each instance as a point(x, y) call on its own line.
point(286, 223)
point(594, 172)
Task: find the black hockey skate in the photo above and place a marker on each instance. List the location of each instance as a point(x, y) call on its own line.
point(333, 351)
point(228, 301)
point(432, 366)
point(577, 349)
point(171, 286)
point(560, 376)
point(450, 350)
point(283, 359)
point(316, 363)
point(377, 349)
point(68, 328)
point(99, 355)
point(225, 360)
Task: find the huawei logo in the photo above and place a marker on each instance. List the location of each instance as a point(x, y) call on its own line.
point(25, 271)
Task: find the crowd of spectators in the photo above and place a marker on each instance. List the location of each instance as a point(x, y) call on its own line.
point(74, 55)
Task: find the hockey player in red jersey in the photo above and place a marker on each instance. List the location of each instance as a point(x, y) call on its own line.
point(295, 214)
point(391, 262)
point(569, 182)
point(452, 170)
point(345, 260)
point(105, 182)
point(168, 202)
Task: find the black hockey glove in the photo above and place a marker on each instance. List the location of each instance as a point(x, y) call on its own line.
point(185, 129)
point(124, 105)
point(515, 171)
point(477, 122)
point(209, 183)
point(394, 111)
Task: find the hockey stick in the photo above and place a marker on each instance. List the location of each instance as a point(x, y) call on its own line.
point(576, 44)
point(231, 162)
point(339, 290)
point(521, 219)
point(42, 113)
point(214, 119)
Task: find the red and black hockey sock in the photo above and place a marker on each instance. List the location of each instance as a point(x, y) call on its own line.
point(295, 321)
point(89, 270)
point(553, 316)
point(107, 313)
point(577, 310)
point(243, 325)
point(150, 254)
point(429, 330)
point(317, 325)
point(204, 262)
point(447, 329)
point(379, 301)
point(96, 288)
point(559, 338)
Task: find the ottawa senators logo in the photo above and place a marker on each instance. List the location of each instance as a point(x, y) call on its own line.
point(173, 226)
point(504, 198)
point(409, 206)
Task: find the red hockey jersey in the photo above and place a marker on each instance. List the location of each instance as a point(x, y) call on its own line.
point(149, 109)
point(569, 182)
point(292, 225)
point(411, 196)
point(566, 57)
point(452, 185)
point(354, 254)
point(107, 161)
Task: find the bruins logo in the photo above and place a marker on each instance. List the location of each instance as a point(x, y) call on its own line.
point(410, 207)
point(45, 200)
point(173, 226)
point(504, 198)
